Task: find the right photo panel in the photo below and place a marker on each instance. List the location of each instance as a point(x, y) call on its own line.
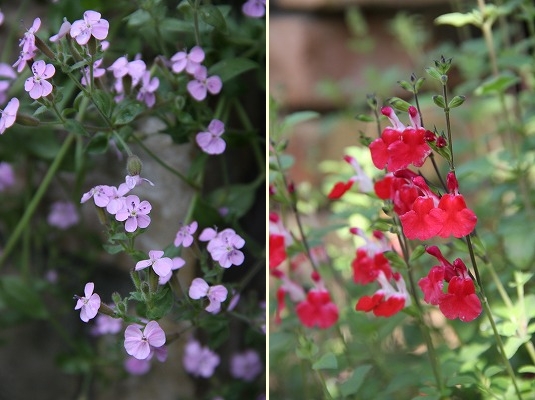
point(401, 199)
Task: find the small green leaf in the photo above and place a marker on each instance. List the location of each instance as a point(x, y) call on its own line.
point(459, 19)
point(355, 381)
point(164, 302)
point(439, 101)
point(326, 361)
point(98, 144)
point(232, 67)
point(74, 126)
point(512, 344)
point(405, 85)
point(456, 101)
point(492, 370)
point(138, 18)
point(237, 198)
point(212, 16)
point(127, 111)
point(399, 104)
point(417, 253)
point(364, 118)
point(396, 260)
point(103, 101)
point(527, 369)
point(434, 73)
point(419, 83)
point(113, 248)
point(497, 84)
point(298, 117)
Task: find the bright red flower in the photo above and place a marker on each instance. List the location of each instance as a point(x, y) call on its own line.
point(277, 250)
point(339, 189)
point(386, 301)
point(365, 183)
point(459, 220)
point(317, 309)
point(424, 221)
point(460, 301)
point(432, 285)
point(366, 268)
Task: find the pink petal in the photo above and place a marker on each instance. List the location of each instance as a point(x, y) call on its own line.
point(163, 266)
point(198, 288)
point(197, 90)
point(196, 54)
point(154, 334)
point(49, 71)
point(88, 290)
point(214, 84)
point(216, 127)
point(143, 220)
point(100, 30)
point(77, 27)
point(143, 264)
point(131, 224)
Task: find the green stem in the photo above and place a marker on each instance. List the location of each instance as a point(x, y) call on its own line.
point(32, 207)
point(448, 125)
point(196, 22)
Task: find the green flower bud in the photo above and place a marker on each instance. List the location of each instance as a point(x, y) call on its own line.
point(134, 165)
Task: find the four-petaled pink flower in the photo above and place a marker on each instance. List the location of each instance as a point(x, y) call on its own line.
point(224, 248)
point(37, 85)
point(203, 84)
point(101, 195)
point(184, 235)
point(92, 24)
point(210, 142)
point(9, 114)
point(188, 61)
point(216, 294)
point(89, 304)
point(134, 213)
point(138, 343)
point(147, 89)
point(254, 8)
point(178, 262)
point(161, 265)
point(28, 40)
point(199, 360)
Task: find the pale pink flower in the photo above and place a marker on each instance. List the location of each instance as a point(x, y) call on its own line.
point(199, 360)
point(62, 215)
point(188, 61)
point(64, 29)
point(116, 198)
point(178, 263)
point(147, 89)
point(122, 67)
point(207, 234)
point(140, 367)
point(100, 194)
point(135, 180)
point(210, 142)
point(37, 85)
point(106, 325)
point(7, 176)
point(161, 265)
point(28, 40)
point(9, 114)
point(89, 304)
point(97, 72)
point(134, 213)
point(246, 365)
point(216, 294)
point(254, 8)
point(184, 235)
point(21, 61)
point(92, 24)
point(224, 248)
point(138, 343)
point(202, 84)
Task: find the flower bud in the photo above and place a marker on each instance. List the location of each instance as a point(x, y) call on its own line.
point(134, 165)
point(44, 48)
point(26, 120)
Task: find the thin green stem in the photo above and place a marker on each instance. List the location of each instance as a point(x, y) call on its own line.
point(448, 125)
point(32, 206)
point(196, 22)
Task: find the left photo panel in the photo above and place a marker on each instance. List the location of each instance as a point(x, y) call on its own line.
point(133, 191)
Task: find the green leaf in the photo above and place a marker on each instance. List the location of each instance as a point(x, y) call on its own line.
point(433, 73)
point(327, 361)
point(396, 260)
point(211, 15)
point(527, 369)
point(399, 104)
point(459, 19)
point(497, 84)
point(232, 67)
point(419, 83)
point(127, 111)
point(22, 296)
point(237, 198)
point(164, 303)
point(462, 380)
point(103, 101)
point(456, 101)
point(138, 18)
point(74, 126)
point(439, 101)
point(112, 248)
point(405, 85)
point(364, 118)
point(492, 370)
point(297, 117)
point(171, 26)
point(98, 144)
point(355, 381)
point(512, 345)
point(417, 253)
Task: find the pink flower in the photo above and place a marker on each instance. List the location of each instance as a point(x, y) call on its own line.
point(104, 324)
point(188, 61)
point(246, 365)
point(116, 198)
point(317, 309)
point(360, 177)
point(101, 195)
point(386, 301)
point(37, 85)
point(92, 24)
point(21, 61)
point(7, 74)
point(9, 114)
point(7, 176)
point(89, 304)
point(135, 180)
point(216, 294)
point(224, 248)
point(134, 213)
point(138, 343)
point(122, 67)
point(63, 30)
point(97, 72)
point(161, 265)
point(207, 234)
point(62, 215)
point(178, 263)
point(210, 142)
point(184, 235)
point(147, 89)
point(254, 8)
point(202, 83)
point(28, 41)
point(140, 367)
point(199, 360)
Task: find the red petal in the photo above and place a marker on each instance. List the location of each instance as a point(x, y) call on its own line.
point(277, 250)
point(339, 189)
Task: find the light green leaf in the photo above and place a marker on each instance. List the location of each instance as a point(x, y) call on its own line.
point(212, 16)
point(327, 361)
point(497, 84)
point(459, 19)
point(353, 384)
point(232, 67)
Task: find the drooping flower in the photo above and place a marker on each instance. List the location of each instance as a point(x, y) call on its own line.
point(89, 304)
point(116, 197)
point(140, 367)
point(199, 360)
point(203, 83)
point(92, 24)
point(183, 60)
point(134, 213)
point(184, 236)
point(295, 292)
point(135, 180)
point(7, 75)
point(161, 265)
point(64, 29)
point(246, 365)
point(37, 85)
point(224, 248)
point(364, 181)
point(138, 343)
point(97, 72)
point(210, 141)
point(28, 40)
point(62, 215)
point(386, 301)
point(9, 114)
point(254, 8)
point(216, 294)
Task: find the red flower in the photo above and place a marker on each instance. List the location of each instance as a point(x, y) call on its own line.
point(432, 285)
point(277, 250)
point(381, 306)
point(460, 301)
point(317, 309)
point(424, 221)
point(366, 268)
point(339, 189)
point(459, 220)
